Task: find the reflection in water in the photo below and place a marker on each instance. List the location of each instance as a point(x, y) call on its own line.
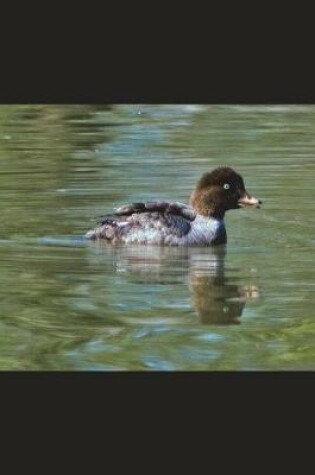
point(215, 299)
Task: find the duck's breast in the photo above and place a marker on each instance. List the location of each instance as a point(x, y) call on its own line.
point(206, 231)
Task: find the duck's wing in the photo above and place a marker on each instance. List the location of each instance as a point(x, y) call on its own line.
point(169, 207)
point(155, 222)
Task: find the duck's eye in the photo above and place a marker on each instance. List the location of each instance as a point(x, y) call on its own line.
point(226, 186)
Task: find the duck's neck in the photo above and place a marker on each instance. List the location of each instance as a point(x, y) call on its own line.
point(205, 206)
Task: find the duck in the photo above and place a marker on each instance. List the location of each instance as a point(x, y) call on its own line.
point(173, 223)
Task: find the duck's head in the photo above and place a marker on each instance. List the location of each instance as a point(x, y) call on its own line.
point(220, 190)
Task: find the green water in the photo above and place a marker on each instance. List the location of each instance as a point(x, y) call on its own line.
point(67, 304)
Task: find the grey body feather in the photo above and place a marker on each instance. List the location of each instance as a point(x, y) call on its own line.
point(159, 222)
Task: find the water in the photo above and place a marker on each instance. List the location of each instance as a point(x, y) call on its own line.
point(67, 304)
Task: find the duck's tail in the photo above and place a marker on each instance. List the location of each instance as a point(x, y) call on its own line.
point(91, 234)
point(108, 229)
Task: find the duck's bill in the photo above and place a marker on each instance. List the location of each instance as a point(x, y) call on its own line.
point(248, 201)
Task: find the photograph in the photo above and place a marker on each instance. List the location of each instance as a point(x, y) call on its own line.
point(157, 237)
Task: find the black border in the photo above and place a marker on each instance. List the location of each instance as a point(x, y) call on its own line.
point(228, 388)
point(221, 55)
point(220, 78)
point(153, 90)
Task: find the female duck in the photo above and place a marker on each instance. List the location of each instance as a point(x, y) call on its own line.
point(170, 223)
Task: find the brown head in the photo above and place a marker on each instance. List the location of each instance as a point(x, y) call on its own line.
point(220, 190)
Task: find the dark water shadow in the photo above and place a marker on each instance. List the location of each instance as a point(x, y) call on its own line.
point(216, 299)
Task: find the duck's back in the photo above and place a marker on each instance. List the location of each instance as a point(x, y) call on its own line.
point(159, 223)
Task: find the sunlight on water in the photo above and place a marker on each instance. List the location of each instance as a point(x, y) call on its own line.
point(71, 304)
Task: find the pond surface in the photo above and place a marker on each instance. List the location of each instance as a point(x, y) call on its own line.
point(68, 304)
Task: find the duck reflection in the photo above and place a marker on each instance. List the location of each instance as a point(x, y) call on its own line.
point(215, 298)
